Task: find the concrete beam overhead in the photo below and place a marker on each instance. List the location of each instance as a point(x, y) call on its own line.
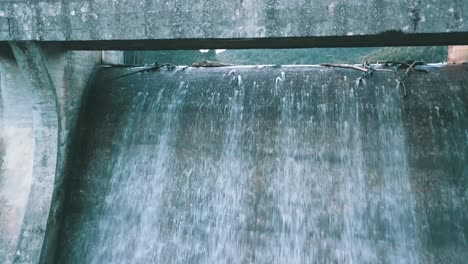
point(305, 23)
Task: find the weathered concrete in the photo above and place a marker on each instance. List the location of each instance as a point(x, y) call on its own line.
point(41, 95)
point(46, 122)
point(123, 126)
point(17, 153)
point(203, 19)
point(71, 73)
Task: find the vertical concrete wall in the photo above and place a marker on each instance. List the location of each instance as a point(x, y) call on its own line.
point(70, 72)
point(16, 153)
point(41, 91)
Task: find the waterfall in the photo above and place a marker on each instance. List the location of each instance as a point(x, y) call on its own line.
point(251, 165)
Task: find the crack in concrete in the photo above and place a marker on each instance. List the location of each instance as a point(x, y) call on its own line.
point(415, 11)
point(9, 27)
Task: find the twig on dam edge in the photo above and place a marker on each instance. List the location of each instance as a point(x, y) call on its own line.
point(412, 67)
point(152, 67)
point(401, 80)
point(345, 66)
point(369, 70)
point(209, 64)
point(110, 65)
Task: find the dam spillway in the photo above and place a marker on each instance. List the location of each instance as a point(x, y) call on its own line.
point(292, 164)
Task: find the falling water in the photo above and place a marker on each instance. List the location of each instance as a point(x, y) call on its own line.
point(291, 168)
point(137, 182)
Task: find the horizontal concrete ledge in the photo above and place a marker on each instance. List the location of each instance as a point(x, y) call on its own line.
point(59, 20)
point(391, 38)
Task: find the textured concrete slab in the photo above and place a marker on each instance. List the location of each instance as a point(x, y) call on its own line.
point(16, 153)
point(203, 19)
point(40, 98)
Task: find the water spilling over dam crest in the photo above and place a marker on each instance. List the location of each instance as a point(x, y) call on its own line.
point(268, 165)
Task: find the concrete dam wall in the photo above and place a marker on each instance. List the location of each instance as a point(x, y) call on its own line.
point(236, 164)
point(113, 24)
point(266, 164)
point(40, 97)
